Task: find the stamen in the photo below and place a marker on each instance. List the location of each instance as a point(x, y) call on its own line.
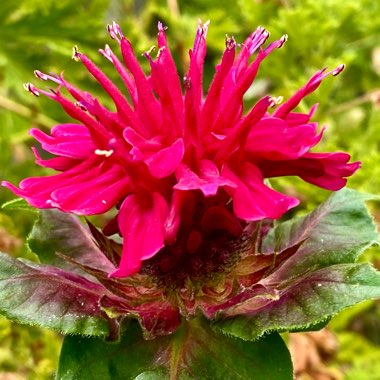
point(338, 70)
point(263, 33)
point(230, 43)
point(115, 32)
point(260, 29)
point(160, 50)
point(323, 74)
point(161, 27)
point(75, 55)
point(258, 38)
point(81, 106)
point(53, 78)
point(275, 101)
point(31, 88)
point(147, 54)
point(106, 53)
point(272, 102)
point(106, 153)
point(283, 39)
point(278, 100)
point(40, 75)
point(202, 28)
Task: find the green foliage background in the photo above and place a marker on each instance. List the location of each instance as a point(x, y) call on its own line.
point(40, 34)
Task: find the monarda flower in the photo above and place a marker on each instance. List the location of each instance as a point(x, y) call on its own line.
point(185, 170)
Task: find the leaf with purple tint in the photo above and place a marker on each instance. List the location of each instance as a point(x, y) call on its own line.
point(336, 232)
point(307, 301)
point(156, 315)
point(110, 248)
point(56, 231)
point(193, 352)
point(50, 297)
point(320, 278)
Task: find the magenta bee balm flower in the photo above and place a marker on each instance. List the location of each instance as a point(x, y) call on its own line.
point(186, 170)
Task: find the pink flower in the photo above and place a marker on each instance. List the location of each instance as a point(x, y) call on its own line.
point(180, 166)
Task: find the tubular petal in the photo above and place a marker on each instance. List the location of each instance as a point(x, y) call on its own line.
point(140, 216)
point(252, 199)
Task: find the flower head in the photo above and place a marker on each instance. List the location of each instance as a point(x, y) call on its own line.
point(186, 171)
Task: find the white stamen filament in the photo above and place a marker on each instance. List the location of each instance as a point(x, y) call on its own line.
point(106, 153)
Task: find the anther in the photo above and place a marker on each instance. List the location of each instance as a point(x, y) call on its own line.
point(106, 53)
point(32, 89)
point(75, 55)
point(40, 75)
point(339, 69)
point(81, 106)
point(283, 39)
point(54, 78)
point(260, 29)
point(202, 28)
point(230, 43)
point(114, 31)
point(147, 54)
point(106, 153)
point(161, 27)
point(160, 50)
point(279, 100)
point(265, 34)
point(272, 102)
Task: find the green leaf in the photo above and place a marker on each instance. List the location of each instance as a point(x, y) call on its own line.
point(194, 351)
point(41, 295)
point(336, 232)
point(17, 204)
point(313, 327)
point(309, 300)
point(56, 231)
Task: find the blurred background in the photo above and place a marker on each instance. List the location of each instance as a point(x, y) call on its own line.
point(40, 34)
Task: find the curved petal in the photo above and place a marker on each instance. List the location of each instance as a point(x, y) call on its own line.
point(69, 140)
point(326, 170)
point(252, 199)
point(95, 195)
point(335, 166)
point(57, 163)
point(37, 190)
point(271, 138)
point(141, 222)
point(208, 181)
point(166, 160)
